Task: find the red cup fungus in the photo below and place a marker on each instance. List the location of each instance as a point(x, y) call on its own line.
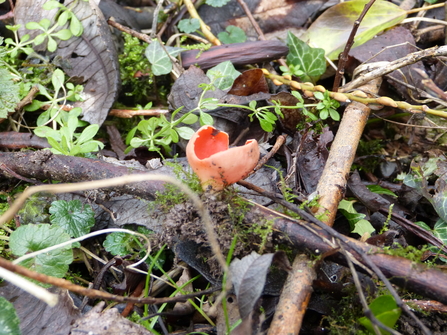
point(215, 164)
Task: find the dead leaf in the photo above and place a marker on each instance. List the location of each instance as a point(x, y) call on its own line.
point(91, 56)
point(249, 275)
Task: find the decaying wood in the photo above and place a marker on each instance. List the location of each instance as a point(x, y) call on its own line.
point(298, 288)
point(332, 184)
point(237, 53)
point(43, 165)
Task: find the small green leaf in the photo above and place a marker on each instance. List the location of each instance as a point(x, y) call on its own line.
point(9, 321)
point(385, 310)
point(265, 125)
point(45, 24)
point(30, 238)
point(76, 219)
point(76, 27)
point(39, 39)
point(223, 75)
point(44, 131)
point(52, 4)
point(189, 25)
point(119, 244)
point(232, 34)
point(381, 190)
point(310, 60)
point(63, 18)
point(55, 146)
point(216, 3)
point(32, 25)
point(185, 132)
point(88, 133)
point(57, 79)
point(190, 119)
point(174, 135)
point(206, 119)
point(52, 44)
point(63, 34)
point(91, 146)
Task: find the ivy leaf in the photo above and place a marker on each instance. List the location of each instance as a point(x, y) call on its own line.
point(30, 238)
point(161, 63)
point(9, 93)
point(356, 220)
point(72, 216)
point(232, 34)
point(217, 3)
point(322, 33)
point(9, 321)
point(310, 60)
point(189, 25)
point(223, 75)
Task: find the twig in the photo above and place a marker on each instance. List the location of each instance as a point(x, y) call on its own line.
point(252, 19)
point(95, 294)
point(298, 286)
point(205, 30)
point(344, 56)
point(375, 323)
point(394, 65)
point(28, 286)
point(155, 19)
point(130, 31)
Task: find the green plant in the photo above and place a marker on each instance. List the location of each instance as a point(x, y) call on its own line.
point(232, 34)
point(303, 61)
point(66, 141)
point(159, 132)
point(385, 310)
point(327, 106)
point(135, 69)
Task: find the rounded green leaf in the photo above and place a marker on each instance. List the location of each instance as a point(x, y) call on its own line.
point(52, 44)
point(72, 216)
point(76, 27)
point(32, 25)
point(190, 119)
point(30, 238)
point(331, 30)
point(88, 133)
point(189, 25)
point(185, 132)
point(63, 34)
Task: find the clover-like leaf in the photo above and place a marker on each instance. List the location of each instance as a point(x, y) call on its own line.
point(76, 219)
point(232, 34)
point(310, 60)
point(189, 25)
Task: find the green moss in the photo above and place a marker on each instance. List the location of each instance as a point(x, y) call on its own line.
point(135, 70)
